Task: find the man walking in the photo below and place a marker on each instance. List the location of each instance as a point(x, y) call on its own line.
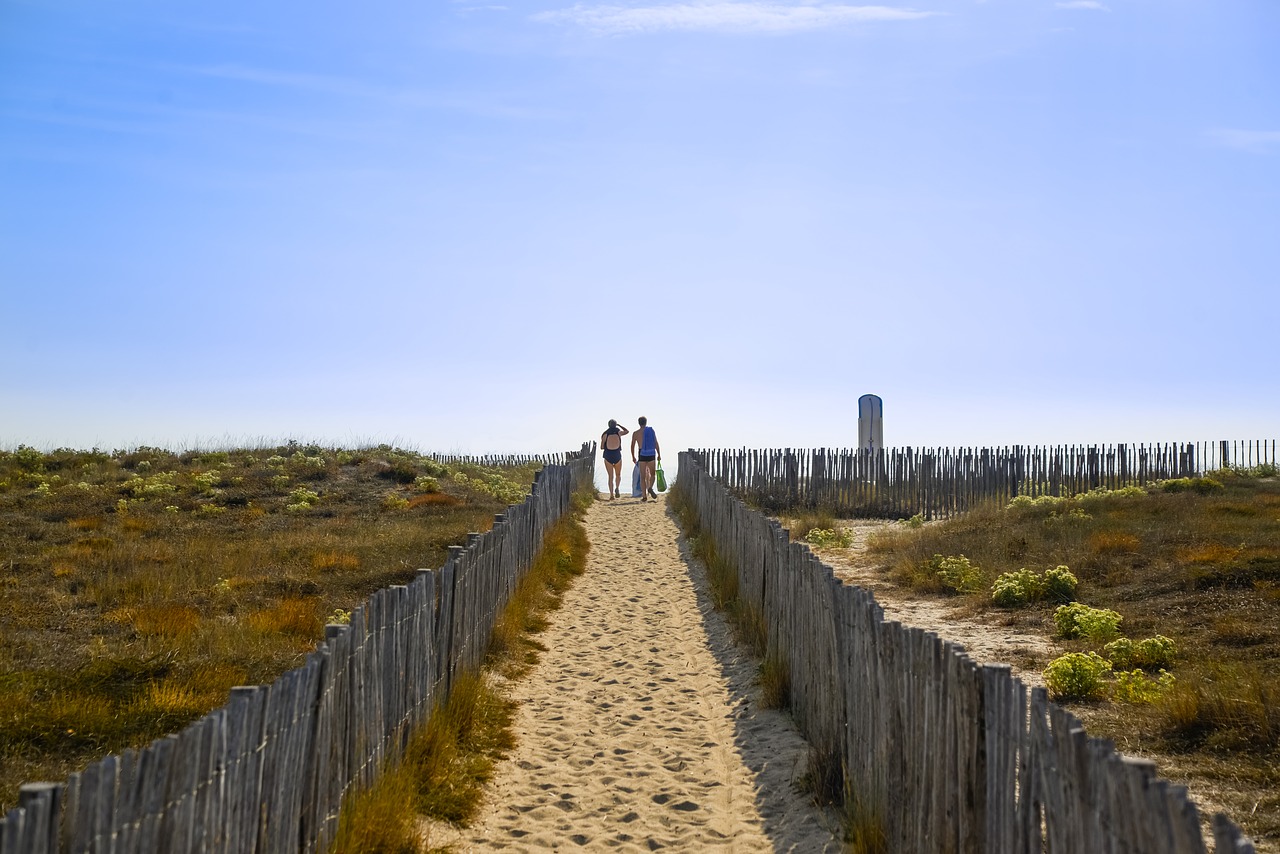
point(650, 454)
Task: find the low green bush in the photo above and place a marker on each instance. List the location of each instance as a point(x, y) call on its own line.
point(1155, 653)
point(1137, 688)
point(1016, 589)
point(1198, 485)
point(956, 573)
point(1078, 620)
point(1059, 584)
point(830, 538)
point(1077, 676)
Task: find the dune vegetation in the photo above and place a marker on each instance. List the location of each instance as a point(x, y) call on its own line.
point(1163, 603)
point(137, 587)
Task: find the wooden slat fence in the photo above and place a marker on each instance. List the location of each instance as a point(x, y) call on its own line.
point(268, 771)
point(507, 459)
point(937, 482)
point(944, 754)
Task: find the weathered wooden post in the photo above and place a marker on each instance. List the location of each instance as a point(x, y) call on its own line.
point(870, 422)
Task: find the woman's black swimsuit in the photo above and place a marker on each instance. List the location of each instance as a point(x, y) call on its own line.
point(615, 455)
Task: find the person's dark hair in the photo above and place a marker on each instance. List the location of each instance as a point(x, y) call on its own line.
point(643, 421)
point(612, 423)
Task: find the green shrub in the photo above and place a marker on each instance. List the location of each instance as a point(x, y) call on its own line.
point(304, 496)
point(391, 501)
point(1059, 584)
point(1074, 516)
point(1015, 589)
point(1040, 502)
point(1198, 485)
point(1077, 676)
point(832, 538)
point(1079, 620)
point(956, 573)
point(1155, 653)
point(1137, 688)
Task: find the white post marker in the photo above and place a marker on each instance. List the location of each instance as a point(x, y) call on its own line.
point(870, 423)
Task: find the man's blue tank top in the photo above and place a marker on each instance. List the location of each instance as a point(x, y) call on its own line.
point(649, 442)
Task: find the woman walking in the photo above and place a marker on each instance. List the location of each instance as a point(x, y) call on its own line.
point(611, 448)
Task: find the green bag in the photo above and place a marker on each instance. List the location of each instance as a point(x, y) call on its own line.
point(661, 479)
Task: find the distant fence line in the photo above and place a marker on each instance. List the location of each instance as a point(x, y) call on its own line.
point(268, 771)
point(942, 753)
point(506, 459)
point(937, 482)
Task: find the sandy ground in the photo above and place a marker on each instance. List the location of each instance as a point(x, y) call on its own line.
point(984, 639)
point(639, 729)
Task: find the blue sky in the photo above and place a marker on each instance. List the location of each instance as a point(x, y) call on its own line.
point(481, 228)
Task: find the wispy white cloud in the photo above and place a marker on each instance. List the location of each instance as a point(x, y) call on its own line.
point(1084, 4)
point(1258, 141)
point(342, 87)
point(722, 16)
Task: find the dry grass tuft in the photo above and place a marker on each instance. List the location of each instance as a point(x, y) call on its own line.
point(1207, 553)
point(375, 821)
point(1113, 543)
point(775, 682)
point(289, 616)
point(434, 499)
point(563, 557)
point(164, 620)
point(335, 560)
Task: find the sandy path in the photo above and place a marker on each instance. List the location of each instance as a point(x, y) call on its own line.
point(639, 729)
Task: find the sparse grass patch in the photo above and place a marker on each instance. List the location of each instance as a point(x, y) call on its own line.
point(823, 777)
point(175, 621)
point(433, 499)
point(775, 682)
point(863, 825)
point(452, 757)
point(375, 821)
point(1113, 543)
point(802, 525)
point(1224, 709)
point(331, 560)
point(512, 649)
